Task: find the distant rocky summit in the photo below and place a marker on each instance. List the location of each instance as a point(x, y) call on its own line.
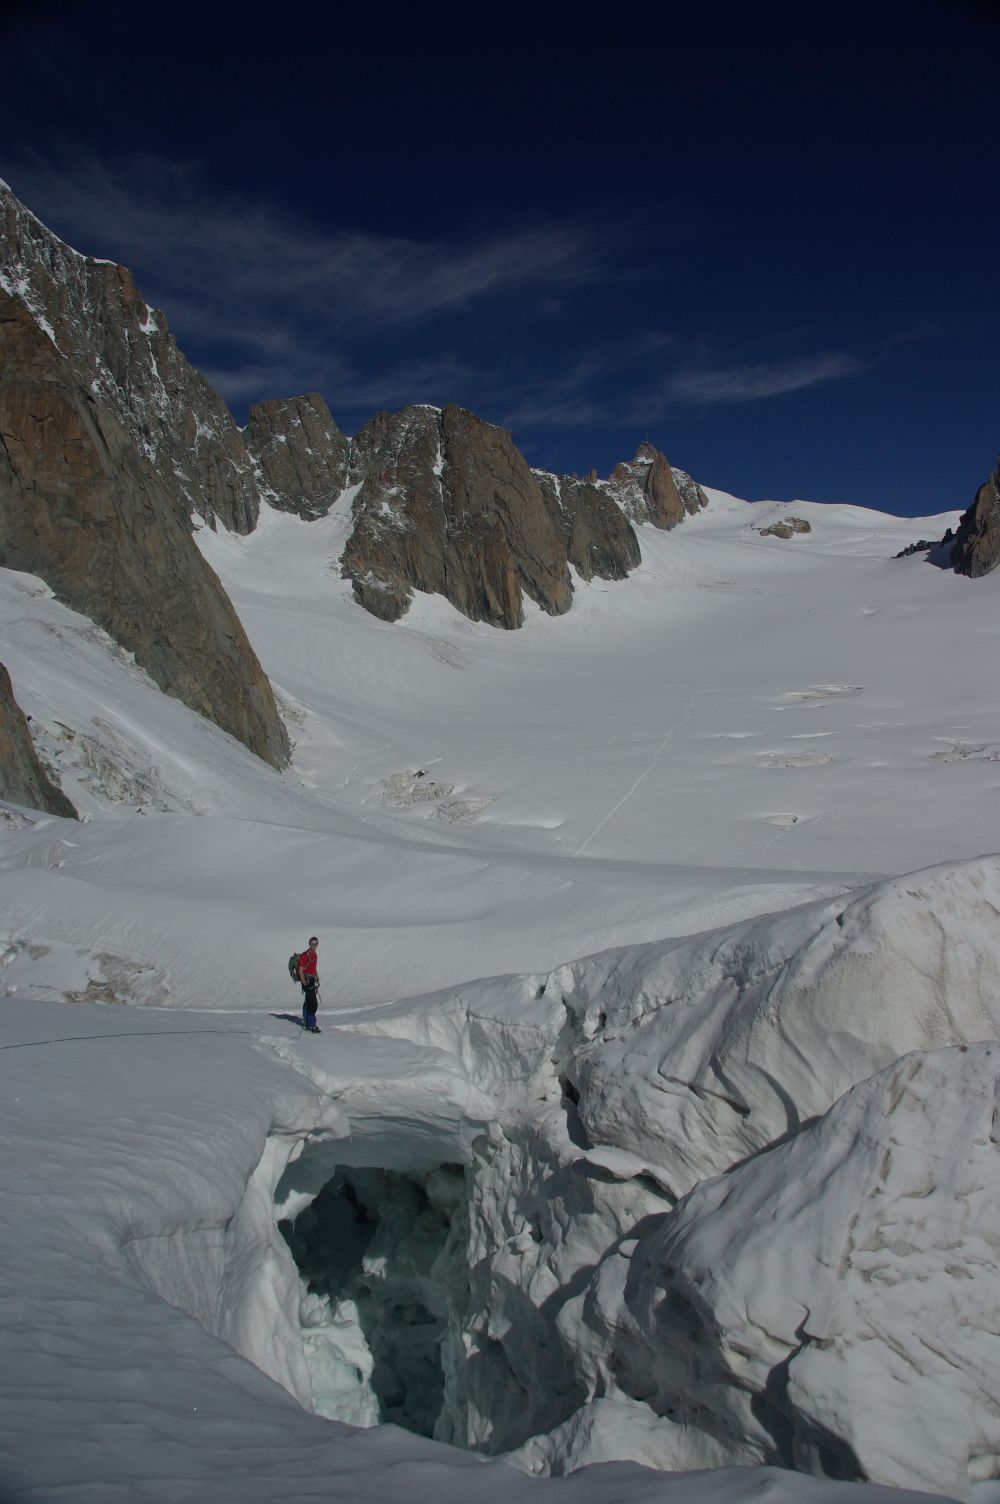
point(448, 505)
point(301, 457)
point(23, 779)
point(646, 489)
point(977, 542)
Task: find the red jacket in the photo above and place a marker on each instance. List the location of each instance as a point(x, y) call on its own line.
point(308, 962)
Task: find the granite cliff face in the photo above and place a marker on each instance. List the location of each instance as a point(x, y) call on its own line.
point(120, 350)
point(597, 536)
point(82, 507)
point(23, 780)
point(449, 506)
point(977, 543)
point(301, 456)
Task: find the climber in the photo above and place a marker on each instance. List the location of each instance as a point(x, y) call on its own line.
point(309, 977)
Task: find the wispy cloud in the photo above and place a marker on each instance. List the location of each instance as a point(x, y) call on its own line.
point(270, 304)
point(591, 389)
point(613, 386)
point(711, 386)
point(231, 256)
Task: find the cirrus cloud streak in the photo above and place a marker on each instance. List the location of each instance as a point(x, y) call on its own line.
point(709, 387)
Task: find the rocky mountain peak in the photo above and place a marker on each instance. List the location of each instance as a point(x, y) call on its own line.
point(301, 457)
point(448, 505)
point(646, 489)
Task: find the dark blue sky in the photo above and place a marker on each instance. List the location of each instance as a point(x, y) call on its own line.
point(766, 236)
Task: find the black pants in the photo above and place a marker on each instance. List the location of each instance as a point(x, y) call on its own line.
point(310, 1002)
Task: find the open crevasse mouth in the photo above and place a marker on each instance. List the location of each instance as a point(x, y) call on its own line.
point(429, 1276)
point(465, 1279)
point(381, 1260)
point(408, 1310)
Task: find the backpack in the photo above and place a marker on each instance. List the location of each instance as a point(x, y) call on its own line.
point(293, 966)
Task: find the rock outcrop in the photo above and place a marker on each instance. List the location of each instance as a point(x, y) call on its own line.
point(449, 506)
point(939, 549)
point(786, 528)
point(646, 490)
point(23, 779)
point(83, 507)
point(301, 455)
point(977, 542)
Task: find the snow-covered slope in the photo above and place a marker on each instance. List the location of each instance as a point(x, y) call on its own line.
point(698, 780)
point(806, 680)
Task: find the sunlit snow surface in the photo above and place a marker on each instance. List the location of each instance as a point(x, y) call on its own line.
point(746, 726)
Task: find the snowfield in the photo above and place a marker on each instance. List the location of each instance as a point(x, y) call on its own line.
point(652, 1128)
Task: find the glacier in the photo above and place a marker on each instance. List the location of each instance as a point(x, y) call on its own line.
point(649, 1143)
